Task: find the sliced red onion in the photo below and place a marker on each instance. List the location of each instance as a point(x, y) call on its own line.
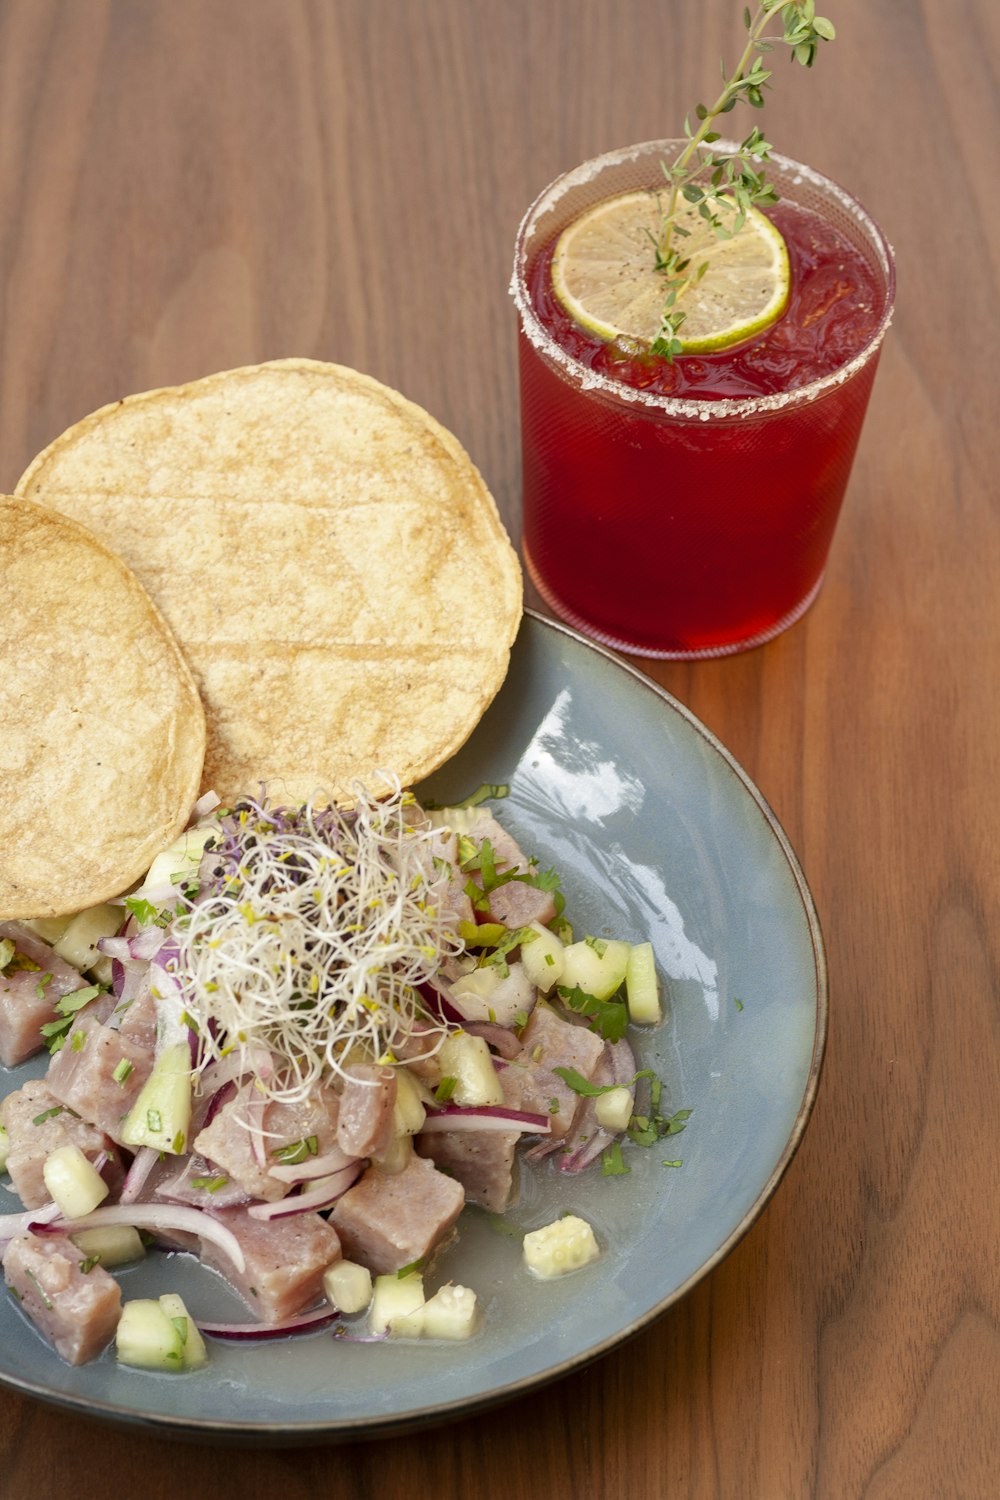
point(143, 1162)
point(255, 1107)
point(505, 1041)
point(165, 1216)
point(323, 1195)
point(301, 1323)
point(14, 1225)
point(115, 947)
point(485, 1117)
point(147, 942)
point(439, 1005)
point(616, 1067)
point(255, 1060)
point(314, 1166)
point(205, 804)
point(544, 1148)
point(218, 1099)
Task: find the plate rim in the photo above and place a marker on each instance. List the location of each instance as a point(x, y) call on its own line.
point(311, 1431)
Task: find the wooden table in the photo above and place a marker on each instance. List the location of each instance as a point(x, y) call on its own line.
point(188, 185)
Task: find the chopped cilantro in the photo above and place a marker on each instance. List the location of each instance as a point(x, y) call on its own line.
point(43, 981)
point(485, 793)
point(210, 1184)
point(46, 1299)
point(737, 1002)
point(48, 1114)
point(609, 1018)
point(445, 1089)
point(145, 913)
point(613, 1164)
point(297, 1151)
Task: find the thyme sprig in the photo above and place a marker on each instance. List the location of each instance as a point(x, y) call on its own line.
point(706, 178)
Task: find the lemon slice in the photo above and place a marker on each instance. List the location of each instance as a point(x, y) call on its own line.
point(604, 275)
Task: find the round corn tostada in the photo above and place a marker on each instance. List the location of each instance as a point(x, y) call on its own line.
point(103, 730)
point(328, 556)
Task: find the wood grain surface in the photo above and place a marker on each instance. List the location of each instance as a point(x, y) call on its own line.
point(187, 185)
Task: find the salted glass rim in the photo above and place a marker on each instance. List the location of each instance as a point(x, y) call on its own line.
point(593, 382)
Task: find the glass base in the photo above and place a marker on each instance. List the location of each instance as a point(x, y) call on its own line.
point(667, 653)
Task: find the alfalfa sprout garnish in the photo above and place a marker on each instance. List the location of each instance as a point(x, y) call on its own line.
point(318, 927)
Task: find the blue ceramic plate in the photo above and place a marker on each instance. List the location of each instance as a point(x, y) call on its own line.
point(657, 833)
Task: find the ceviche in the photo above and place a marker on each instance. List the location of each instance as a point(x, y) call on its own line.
point(297, 1050)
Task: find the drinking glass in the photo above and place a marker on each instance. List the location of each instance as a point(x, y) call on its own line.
point(673, 526)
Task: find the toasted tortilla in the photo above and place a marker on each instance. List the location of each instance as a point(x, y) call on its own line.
point(103, 730)
point(328, 556)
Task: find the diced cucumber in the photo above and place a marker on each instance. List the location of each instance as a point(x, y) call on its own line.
point(595, 965)
point(450, 1314)
point(194, 1353)
point(456, 819)
point(348, 1286)
point(396, 1298)
point(112, 1245)
point(179, 860)
point(641, 986)
point(161, 1115)
point(49, 929)
point(467, 1059)
point(73, 1183)
point(409, 1113)
point(614, 1109)
point(543, 958)
point(78, 944)
point(148, 1338)
point(479, 985)
point(565, 1245)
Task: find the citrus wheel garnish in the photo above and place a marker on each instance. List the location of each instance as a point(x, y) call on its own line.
point(604, 273)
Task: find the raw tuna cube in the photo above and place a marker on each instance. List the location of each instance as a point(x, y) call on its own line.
point(387, 1221)
point(82, 1074)
point(36, 1124)
point(516, 903)
point(139, 1021)
point(28, 995)
point(364, 1123)
point(481, 1160)
point(285, 1260)
point(229, 1143)
point(549, 1042)
point(77, 1310)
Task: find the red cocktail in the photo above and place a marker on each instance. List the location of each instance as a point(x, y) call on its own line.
point(687, 509)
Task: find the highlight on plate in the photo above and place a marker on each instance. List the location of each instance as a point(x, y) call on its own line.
point(295, 1034)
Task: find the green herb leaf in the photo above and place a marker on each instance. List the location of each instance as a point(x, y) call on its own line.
point(296, 1152)
point(210, 1184)
point(48, 1114)
point(613, 1164)
point(609, 1018)
point(145, 913)
point(445, 1089)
